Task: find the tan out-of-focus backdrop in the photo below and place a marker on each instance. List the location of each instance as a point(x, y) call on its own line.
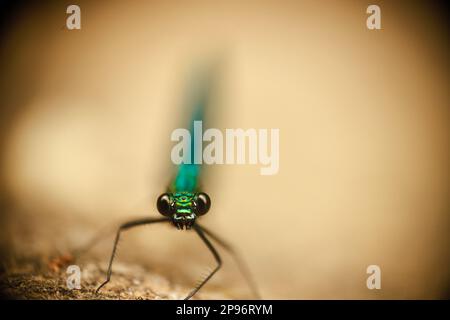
point(364, 137)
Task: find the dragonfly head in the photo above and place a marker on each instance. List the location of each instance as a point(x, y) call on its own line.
point(183, 207)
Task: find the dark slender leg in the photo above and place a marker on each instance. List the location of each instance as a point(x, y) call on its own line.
point(124, 227)
point(216, 257)
point(239, 261)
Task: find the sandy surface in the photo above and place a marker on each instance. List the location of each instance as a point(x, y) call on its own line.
point(48, 280)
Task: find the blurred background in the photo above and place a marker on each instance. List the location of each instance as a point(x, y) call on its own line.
point(86, 117)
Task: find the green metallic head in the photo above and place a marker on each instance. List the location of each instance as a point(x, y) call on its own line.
point(183, 207)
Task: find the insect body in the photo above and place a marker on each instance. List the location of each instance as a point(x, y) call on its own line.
point(183, 204)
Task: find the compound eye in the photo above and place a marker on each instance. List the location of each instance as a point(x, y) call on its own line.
point(203, 203)
point(164, 205)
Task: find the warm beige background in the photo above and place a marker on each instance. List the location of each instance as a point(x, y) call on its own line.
point(363, 118)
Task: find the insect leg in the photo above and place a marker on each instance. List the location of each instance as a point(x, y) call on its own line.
point(124, 227)
point(216, 257)
point(239, 261)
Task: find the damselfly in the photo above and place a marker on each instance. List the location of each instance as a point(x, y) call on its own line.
point(184, 202)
